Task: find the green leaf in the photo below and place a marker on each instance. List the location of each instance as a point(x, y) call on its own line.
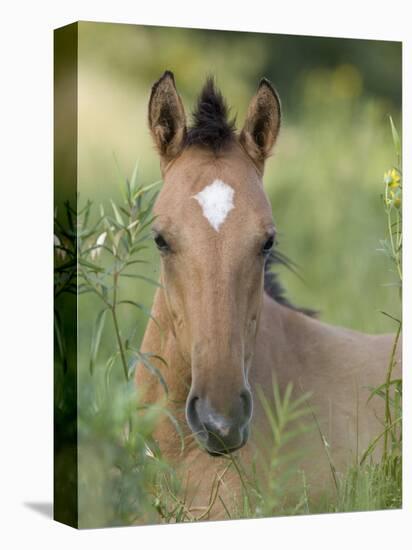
point(131, 336)
point(91, 266)
point(60, 340)
point(125, 212)
point(113, 222)
point(137, 247)
point(159, 358)
point(145, 225)
point(88, 232)
point(147, 279)
point(390, 316)
point(131, 262)
point(142, 308)
point(118, 217)
point(133, 180)
point(86, 214)
point(143, 358)
point(145, 189)
point(380, 389)
point(375, 441)
point(396, 139)
point(64, 267)
point(109, 367)
point(69, 213)
point(96, 337)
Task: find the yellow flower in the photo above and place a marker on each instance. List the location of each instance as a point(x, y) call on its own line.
point(392, 178)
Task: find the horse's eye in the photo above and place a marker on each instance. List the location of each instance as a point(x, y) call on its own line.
point(161, 243)
point(267, 247)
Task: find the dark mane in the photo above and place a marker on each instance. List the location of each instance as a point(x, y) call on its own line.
point(273, 286)
point(211, 126)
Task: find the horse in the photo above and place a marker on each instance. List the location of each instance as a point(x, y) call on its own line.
point(220, 319)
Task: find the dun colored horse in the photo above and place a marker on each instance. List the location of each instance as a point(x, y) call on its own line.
point(225, 327)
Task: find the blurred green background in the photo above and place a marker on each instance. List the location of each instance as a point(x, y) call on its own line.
point(325, 179)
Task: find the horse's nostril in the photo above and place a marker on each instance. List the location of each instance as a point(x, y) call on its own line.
point(246, 398)
point(192, 414)
point(191, 407)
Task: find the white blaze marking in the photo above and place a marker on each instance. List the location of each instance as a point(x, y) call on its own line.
point(216, 201)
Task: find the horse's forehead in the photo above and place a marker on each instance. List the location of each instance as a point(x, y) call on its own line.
point(216, 201)
point(217, 193)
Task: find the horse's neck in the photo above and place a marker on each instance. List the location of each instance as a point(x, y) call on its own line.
point(315, 355)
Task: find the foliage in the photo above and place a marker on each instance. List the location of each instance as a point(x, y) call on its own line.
point(271, 495)
point(121, 472)
point(374, 484)
point(391, 390)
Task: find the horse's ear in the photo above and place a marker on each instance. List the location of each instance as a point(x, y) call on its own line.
point(262, 124)
point(167, 119)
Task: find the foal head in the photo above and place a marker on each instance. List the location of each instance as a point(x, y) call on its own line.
point(214, 230)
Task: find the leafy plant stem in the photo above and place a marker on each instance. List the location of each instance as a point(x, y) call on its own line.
point(388, 416)
point(117, 328)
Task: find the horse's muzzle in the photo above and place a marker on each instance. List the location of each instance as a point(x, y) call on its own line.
point(220, 434)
